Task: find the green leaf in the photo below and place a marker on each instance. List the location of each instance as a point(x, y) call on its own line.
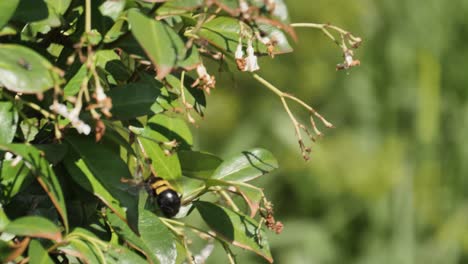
point(59, 6)
point(34, 226)
point(119, 254)
point(84, 249)
point(166, 166)
point(29, 128)
point(54, 153)
point(99, 169)
point(164, 128)
point(37, 253)
point(85, 243)
point(198, 164)
point(246, 166)
point(44, 173)
point(252, 196)
point(191, 59)
point(190, 186)
point(3, 219)
point(123, 230)
point(55, 8)
point(31, 10)
point(238, 229)
point(7, 10)
point(110, 62)
point(193, 96)
point(119, 28)
point(7, 30)
point(157, 237)
point(160, 129)
point(134, 99)
point(23, 70)
point(178, 7)
point(9, 121)
point(159, 41)
point(81, 174)
point(13, 179)
point(5, 250)
point(112, 8)
point(74, 83)
point(106, 60)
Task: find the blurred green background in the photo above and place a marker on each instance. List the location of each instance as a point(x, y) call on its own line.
point(389, 184)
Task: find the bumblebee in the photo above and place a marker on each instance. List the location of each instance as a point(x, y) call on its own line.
point(167, 198)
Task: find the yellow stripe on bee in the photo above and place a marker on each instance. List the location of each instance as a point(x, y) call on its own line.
point(160, 186)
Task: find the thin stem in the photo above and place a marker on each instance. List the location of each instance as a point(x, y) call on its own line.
point(229, 200)
point(88, 16)
point(326, 26)
point(268, 85)
point(297, 125)
point(229, 253)
point(34, 106)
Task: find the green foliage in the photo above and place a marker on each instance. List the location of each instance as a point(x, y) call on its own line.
point(95, 98)
point(389, 184)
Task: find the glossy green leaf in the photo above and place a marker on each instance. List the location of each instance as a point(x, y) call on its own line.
point(84, 249)
point(54, 153)
point(9, 121)
point(159, 41)
point(194, 96)
point(38, 254)
point(106, 60)
point(157, 237)
point(81, 174)
point(7, 10)
point(123, 230)
point(29, 128)
point(161, 129)
point(3, 219)
point(110, 62)
point(178, 7)
point(238, 229)
point(7, 30)
point(252, 197)
point(13, 178)
point(91, 249)
point(43, 26)
point(166, 166)
point(31, 10)
point(34, 226)
point(191, 59)
point(134, 99)
point(72, 87)
point(99, 169)
point(190, 186)
point(44, 173)
point(59, 6)
point(5, 250)
point(118, 254)
point(23, 70)
point(164, 128)
point(247, 166)
point(198, 164)
point(112, 8)
point(119, 28)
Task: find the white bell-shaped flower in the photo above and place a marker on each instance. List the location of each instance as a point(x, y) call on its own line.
point(239, 54)
point(251, 60)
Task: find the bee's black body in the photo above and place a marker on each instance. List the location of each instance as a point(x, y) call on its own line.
point(168, 200)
